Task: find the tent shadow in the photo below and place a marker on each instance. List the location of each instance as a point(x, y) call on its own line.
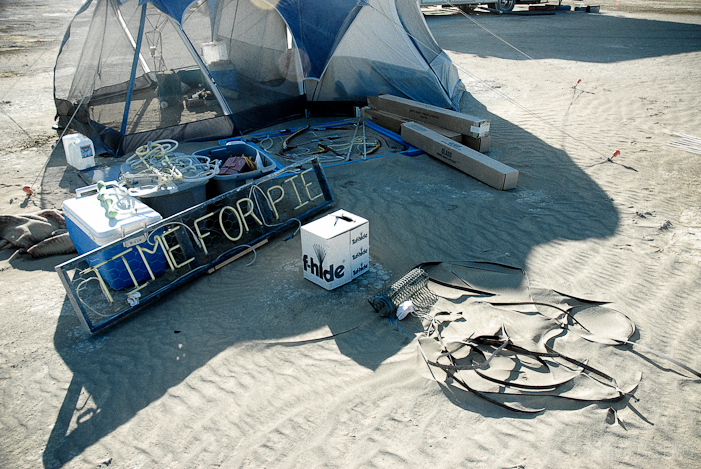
point(419, 210)
point(565, 36)
point(59, 180)
point(123, 370)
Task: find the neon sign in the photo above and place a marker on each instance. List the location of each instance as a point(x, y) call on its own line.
point(190, 244)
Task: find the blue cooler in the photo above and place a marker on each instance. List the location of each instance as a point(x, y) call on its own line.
point(90, 228)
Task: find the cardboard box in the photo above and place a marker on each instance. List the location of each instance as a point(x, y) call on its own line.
point(335, 249)
point(482, 145)
point(464, 124)
point(471, 162)
point(394, 123)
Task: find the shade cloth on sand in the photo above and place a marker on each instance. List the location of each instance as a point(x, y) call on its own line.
point(486, 331)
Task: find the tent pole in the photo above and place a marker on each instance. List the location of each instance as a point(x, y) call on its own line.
point(205, 71)
point(124, 26)
point(134, 64)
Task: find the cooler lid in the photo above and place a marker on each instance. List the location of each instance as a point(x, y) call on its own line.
point(90, 215)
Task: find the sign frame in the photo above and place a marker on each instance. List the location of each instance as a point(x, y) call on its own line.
point(198, 260)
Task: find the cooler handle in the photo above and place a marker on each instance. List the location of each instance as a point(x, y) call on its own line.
point(130, 228)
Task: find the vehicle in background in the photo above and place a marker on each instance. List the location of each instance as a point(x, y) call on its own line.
point(502, 6)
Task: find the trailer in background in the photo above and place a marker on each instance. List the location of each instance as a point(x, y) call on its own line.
point(501, 6)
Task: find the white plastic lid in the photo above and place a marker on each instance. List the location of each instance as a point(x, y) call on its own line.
point(90, 215)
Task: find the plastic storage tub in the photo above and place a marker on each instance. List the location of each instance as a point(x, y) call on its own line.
point(220, 184)
point(171, 196)
point(169, 202)
point(90, 228)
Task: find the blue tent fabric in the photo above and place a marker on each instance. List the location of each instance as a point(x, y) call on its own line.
point(315, 25)
point(174, 8)
point(216, 68)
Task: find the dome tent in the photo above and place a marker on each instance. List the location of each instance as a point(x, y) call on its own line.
point(133, 71)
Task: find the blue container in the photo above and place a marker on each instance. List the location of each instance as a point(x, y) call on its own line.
point(90, 228)
point(220, 184)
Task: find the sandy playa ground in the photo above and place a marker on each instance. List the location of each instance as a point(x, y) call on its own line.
point(238, 370)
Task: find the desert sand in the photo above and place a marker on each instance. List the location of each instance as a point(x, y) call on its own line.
point(254, 366)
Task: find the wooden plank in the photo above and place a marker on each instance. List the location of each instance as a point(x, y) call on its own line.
point(237, 256)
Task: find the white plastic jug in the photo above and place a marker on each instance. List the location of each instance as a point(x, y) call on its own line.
point(80, 151)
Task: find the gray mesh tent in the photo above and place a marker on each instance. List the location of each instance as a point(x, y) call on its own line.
point(133, 71)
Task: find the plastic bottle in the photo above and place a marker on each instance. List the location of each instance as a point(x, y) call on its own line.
point(80, 151)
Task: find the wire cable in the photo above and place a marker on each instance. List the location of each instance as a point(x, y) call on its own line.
point(492, 88)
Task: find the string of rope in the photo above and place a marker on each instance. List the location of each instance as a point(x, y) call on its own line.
point(524, 108)
point(80, 104)
point(554, 72)
point(491, 32)
point(688, 143)
point(155, 165)
point(11, 87)
point(494, 89)
point(18, 79)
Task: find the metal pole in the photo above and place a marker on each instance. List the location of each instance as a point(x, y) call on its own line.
point(205, 71)
point(134, 64)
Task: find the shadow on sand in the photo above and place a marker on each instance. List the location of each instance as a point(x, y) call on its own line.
point(419, 210)
point(565, 36)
